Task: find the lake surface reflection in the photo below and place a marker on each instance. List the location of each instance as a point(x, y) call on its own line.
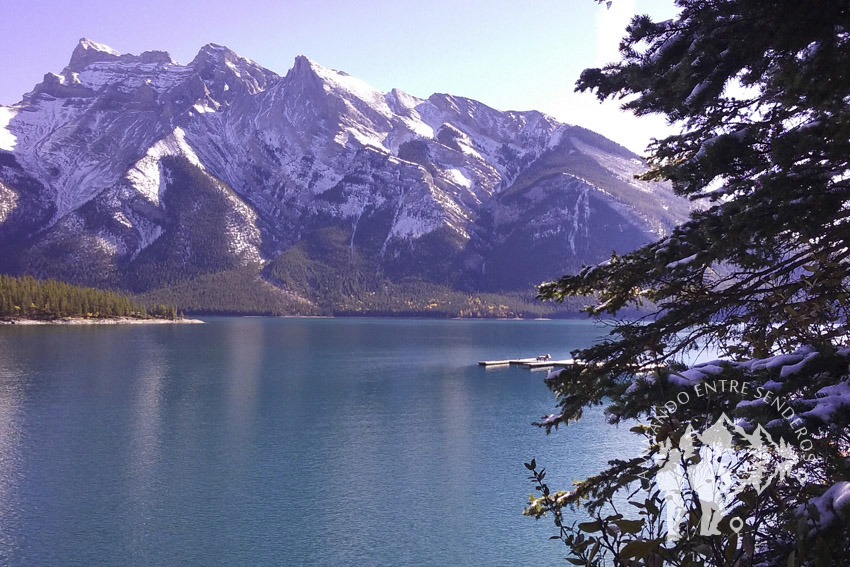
point(284, 442)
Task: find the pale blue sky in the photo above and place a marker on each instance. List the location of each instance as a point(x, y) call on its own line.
point(509, 55)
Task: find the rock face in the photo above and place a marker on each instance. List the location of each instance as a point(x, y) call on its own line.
point(137, 172)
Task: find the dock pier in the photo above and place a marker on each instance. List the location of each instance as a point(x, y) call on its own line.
point(534, 362)
point(531, 362)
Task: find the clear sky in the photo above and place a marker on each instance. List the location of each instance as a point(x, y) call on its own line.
point(510, 55)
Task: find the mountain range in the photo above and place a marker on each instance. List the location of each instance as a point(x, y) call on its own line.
point(220, 185)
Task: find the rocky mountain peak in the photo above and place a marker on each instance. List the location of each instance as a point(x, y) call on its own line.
point(157, 57)
point(305, 69)
point(88, 52)
point(227, 74)
point(347, 95)
point(302, 60)
point(214, 53)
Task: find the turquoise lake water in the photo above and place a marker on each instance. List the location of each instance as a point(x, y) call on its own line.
point(254, 441)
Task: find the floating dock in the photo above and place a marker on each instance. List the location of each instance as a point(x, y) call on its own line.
point(550, 363)
point(532, 362)
point(507, 361)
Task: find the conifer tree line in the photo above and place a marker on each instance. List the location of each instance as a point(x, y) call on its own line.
point(29, 298)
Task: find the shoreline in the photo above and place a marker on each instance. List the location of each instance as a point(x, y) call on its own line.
point(112, 321)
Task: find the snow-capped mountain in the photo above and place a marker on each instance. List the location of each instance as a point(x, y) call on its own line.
point(137, 172)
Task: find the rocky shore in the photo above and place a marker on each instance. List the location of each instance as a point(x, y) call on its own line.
point(109, 321)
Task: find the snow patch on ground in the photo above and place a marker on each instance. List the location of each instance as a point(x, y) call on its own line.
point(8, 141)
point(203, 108)
point(89, 44)
point(457, 177)
point(122, 218)
point(622, 167)
point(146, 175)
point(147, 230)
point(408, 225)
point(580, 217)
point(128, 76)
point(108, 243)
point(336, 80)
point(417, 126)
point(556, 137)
point(8, 202)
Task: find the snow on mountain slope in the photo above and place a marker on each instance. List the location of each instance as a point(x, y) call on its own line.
point(91, 148)
point(147, 176)
point(7, 139)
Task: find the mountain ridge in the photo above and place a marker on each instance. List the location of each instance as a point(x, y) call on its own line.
point(122, 159)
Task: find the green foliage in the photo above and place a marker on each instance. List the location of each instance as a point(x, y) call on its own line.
point(322, 292)
point(417, 298)
point(323, 267)
point(28, 298)
point(760, 92)
point(234, 292)
point(609, 536)
point(312, 270)
point(58, 258)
